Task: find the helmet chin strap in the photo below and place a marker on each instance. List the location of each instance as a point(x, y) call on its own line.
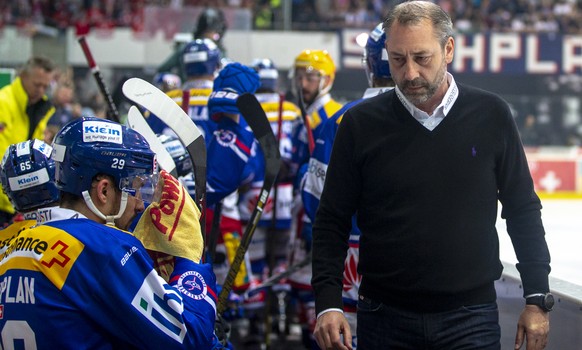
point(109, 219)
point(324, 90)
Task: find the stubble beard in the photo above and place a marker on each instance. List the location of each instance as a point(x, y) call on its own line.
point(430, 89)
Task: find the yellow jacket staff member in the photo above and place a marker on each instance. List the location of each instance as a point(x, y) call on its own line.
point(24, 112)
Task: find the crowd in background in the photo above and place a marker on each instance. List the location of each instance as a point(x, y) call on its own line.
point(554, 16)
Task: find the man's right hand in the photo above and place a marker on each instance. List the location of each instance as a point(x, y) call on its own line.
point(332, 331)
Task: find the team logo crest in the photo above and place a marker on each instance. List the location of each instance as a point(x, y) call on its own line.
point(225, 137)
point(193, 285)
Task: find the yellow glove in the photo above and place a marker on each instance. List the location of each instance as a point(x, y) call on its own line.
point(171, 225)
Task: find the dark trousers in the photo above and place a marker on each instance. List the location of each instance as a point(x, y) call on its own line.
point(383, 327)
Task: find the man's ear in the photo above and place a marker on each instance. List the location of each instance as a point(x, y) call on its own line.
point(102, 190)
point(449, 50)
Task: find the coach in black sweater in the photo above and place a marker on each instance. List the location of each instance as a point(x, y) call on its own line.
point(424, 167)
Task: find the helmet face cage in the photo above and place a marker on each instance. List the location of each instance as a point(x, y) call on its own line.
point(375, 57)
point(200, 57)
point(268, 74)
point(89, 146)
point(179, 154)
point(28, 175)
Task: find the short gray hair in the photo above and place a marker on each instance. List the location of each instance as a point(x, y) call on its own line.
point(413, 12)
point(41, 62)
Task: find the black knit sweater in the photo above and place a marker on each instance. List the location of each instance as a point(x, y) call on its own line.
point(426, 203)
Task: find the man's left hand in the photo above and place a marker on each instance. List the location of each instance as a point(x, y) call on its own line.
point(533, 327)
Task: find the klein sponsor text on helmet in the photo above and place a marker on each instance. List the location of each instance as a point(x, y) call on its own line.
point(28, 175)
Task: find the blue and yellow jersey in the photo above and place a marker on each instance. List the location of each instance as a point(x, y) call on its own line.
point(323, 108)
point(75, 283)
point(317, 168)
point(8, 234)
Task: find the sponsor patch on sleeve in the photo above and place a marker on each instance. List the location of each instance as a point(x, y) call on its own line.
point(193, 285)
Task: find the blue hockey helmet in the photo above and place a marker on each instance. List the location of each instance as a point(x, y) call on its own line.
point(28, 175)
point(178, 152)
point(268, 74)
point(375, 57)
point(200, 57)
point(232, 81)
point(89, 146)
point(167, 81)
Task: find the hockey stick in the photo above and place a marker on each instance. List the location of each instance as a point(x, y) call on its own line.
point(272, 231)
point(136, 121)
point(279, 131)
point(113, 112)
point(305, 117)
point(255, 116)
point(271, 281)
point(160, 104)
point(214, 232)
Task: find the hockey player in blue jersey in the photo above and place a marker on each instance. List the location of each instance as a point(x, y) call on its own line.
point(375, 61)
point(81, 270)
point(232, 154)
point(232, 145)
point(27, 175)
